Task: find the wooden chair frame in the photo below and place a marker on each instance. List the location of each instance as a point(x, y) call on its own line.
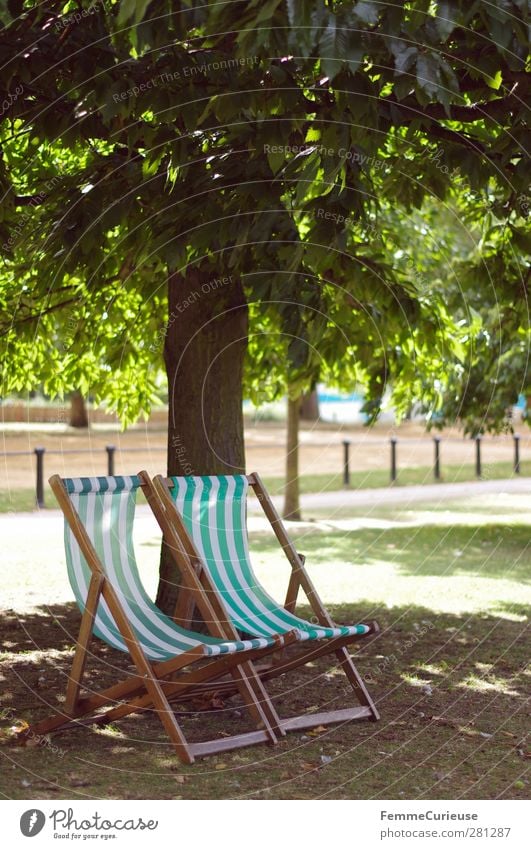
point(154, 684)
point(190, 563)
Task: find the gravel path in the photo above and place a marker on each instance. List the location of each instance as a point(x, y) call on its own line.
point(405, 495)
point(32, 552)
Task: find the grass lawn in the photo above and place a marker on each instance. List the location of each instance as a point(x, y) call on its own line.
point(377, 478)
point(450, 589)
point(24, 499)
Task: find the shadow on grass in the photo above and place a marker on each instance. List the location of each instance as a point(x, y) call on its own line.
point(490, 551)
point(450, 690)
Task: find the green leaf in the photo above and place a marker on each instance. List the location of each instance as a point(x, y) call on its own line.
point(313, 134)
point(500, 31)
point(332, 48)
point(276, 161)
point(132, 9)
point(15, 7)
point(298, 351)
point(367, 11)
point(522, 238)
point(444, 22)
point(405, 59)
point(267, 11)
point(340, 47)
point(354, 57)
point(429, 75)
point(127, 10)
point(5, 14)
point(418, 13)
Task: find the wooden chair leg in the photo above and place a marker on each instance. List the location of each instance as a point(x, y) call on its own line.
point(257, 701)
point(293, 591)
point(83, 640)
point(167, 717)
point(265, 702)
point(294, 586)
point(356, 681)
point(152, 683)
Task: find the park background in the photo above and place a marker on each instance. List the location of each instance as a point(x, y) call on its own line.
point(206, 204)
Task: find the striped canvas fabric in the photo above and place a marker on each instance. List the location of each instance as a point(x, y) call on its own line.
point(106, 507)
point(214, 512)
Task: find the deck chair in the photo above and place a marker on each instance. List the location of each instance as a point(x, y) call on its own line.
point(170, 661)
point(208, 517)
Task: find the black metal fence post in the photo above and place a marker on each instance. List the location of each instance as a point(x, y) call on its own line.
point(437, 463)
point(346, 462)
point(110, 449)
point(39, 455)
point(516, 453)
point(478, 456)
point(393, 441)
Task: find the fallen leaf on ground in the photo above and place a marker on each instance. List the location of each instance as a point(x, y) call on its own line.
point(5, 735)
point(77, 780)
point(316, 731)
point(211, 702)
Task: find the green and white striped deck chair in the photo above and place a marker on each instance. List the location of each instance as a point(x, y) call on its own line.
point(99, 515)
point(210, 517)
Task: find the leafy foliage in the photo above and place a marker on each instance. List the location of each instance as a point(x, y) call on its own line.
point(269, 140)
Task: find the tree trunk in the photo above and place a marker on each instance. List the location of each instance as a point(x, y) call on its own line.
point(309, 409)
point(78, 410)
point(291, 492)
point(204, 348)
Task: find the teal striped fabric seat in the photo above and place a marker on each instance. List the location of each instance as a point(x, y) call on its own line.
point(106, 507)
point(214, 512)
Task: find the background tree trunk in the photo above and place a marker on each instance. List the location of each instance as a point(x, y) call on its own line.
point(204, 349)
point(309, 408)
point(291, 492)
point(78, 410)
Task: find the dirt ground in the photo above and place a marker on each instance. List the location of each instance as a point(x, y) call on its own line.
point(448, 671)
point(144, 447)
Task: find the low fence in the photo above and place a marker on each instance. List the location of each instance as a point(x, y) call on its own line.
point(393, 441)
point(109, 460)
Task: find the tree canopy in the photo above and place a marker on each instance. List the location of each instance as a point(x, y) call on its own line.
point(281, 144)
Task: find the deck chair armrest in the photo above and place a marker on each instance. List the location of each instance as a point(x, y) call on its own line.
point(303, 579)
point(293, 588)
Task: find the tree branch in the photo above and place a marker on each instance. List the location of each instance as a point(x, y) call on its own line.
point(499, 108)
point(39, 314)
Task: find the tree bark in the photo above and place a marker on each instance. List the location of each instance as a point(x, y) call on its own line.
point(291, 491)
point(204, 349)
point(78, 410)
point(309, 409)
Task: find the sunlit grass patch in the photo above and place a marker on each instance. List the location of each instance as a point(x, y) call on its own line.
point(448, 672)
